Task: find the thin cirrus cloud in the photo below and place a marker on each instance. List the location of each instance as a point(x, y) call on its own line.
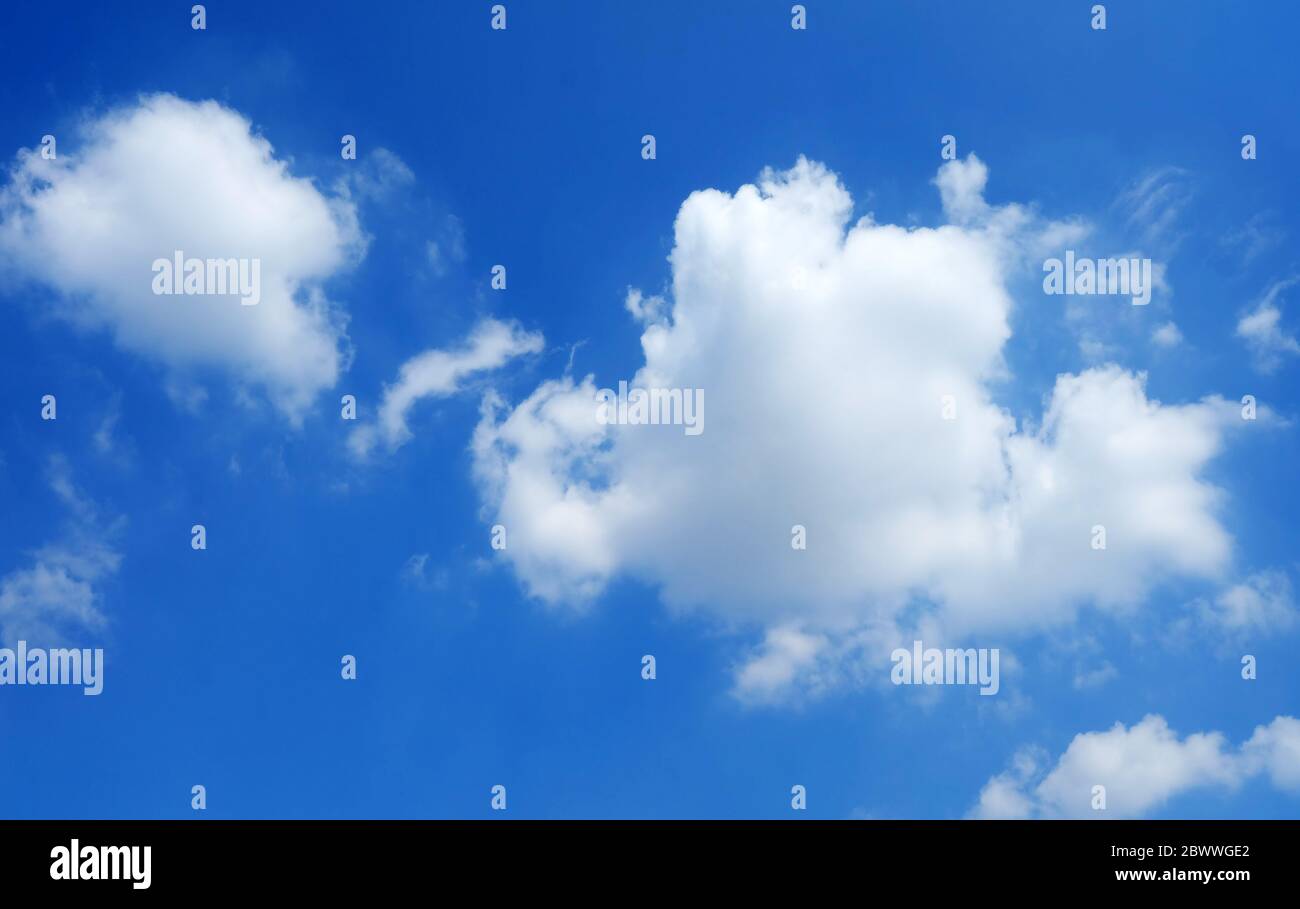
point(1140, 769)
point(1154, 205)
point(439, 373)
point(824, 349)
point(166, 174)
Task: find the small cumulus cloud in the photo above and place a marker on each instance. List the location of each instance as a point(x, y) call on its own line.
point(163, 175)
point(1167, 336)
point(1140, 769)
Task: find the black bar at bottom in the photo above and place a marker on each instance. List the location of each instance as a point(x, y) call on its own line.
point(641, 857)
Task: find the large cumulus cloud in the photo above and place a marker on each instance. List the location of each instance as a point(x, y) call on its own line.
point(825, 350)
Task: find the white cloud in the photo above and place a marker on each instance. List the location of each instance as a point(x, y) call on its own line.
point(1167, 335)
point(1004, 795)
point(1260, 603)
point(56, 594)
point(448, 247)
point(108, 439)
point(1141, 767)
point(1108, 326)
point(646, 310)
point(1256, 237)
point(379, 177)
point(961, 188)
point(824, 350)
point(413, 570)
point(785, 654)
point(1154, 205)
point(418, 573)
point(1262, 330)
point(439, 373)
point(1275, 750)
point(1094, 678)
point(103, 437)
point(167, 174)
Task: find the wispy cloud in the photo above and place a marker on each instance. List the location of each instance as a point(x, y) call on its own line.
point(1261, 329)
point(1254, 238)
point(437, 373)
point(56, 594)
point(1154, 204)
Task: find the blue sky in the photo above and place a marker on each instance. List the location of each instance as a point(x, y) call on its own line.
point(523, 147)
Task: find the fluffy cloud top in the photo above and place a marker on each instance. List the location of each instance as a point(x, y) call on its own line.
point(1141, 768)
point(167, 174)
point(825, 351)
point(438, 373)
